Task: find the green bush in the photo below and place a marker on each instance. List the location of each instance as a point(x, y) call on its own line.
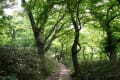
point(22, 64)
point(100, 70)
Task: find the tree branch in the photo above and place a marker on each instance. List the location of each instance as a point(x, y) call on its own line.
point(107, 20)
point(78, 4)
point(66, 32)
point(74, 22)
point(112, 18)
point(30, 15)
point(60, 28)
point(53, 37)
point(49, 43)
point(43, 16)
point(53, 28)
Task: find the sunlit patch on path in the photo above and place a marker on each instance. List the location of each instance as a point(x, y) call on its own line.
point(62, 73)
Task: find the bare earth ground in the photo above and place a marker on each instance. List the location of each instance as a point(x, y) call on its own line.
point(62, 73)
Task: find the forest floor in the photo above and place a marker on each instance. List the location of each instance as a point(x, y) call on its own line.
point(61, 73)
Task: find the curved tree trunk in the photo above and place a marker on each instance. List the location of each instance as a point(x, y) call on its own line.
point(75, 51)
point(75, 45)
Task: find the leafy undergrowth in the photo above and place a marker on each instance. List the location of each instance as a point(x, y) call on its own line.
point(100, 70)
point(22, 64)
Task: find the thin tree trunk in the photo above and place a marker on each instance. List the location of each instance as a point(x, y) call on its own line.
point(84, 57)
point(61, 52)
point(92, 52)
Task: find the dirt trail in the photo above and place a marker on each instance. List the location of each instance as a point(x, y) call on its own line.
point(62, 73)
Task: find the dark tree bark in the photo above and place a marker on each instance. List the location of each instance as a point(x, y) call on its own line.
point(111, 42)
point(74, 13)
point(75, 51)
point(74, 48)
point(111, 47)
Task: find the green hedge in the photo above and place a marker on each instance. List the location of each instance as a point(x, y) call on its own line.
point(22, 64)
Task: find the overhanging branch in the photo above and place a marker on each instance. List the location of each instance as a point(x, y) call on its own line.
point(53, 37)
point(53, 28)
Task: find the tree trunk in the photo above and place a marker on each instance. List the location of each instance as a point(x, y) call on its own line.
point(75, 62)
point(61, 52)
point(75, 51)
point(113, 57)
point(84, 57)
point(74, 54)
point(40, 47)
point(92, 52)
point(111, 46)
point(14, 34)
point(41, 53)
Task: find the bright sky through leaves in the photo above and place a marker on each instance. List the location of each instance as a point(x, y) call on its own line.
point(14, 8)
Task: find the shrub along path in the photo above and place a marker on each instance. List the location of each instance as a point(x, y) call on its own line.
point(62, 73)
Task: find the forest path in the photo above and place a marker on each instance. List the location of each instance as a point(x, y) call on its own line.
point(62, 73)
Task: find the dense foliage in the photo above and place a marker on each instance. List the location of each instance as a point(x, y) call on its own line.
point(21, 64)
